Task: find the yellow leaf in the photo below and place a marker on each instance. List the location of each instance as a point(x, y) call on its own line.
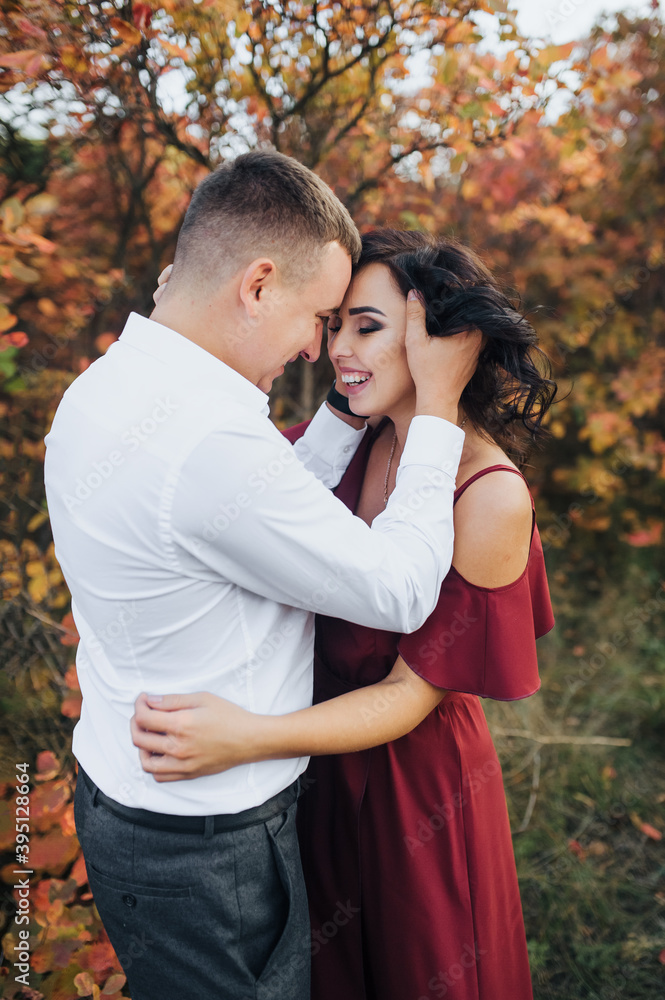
point(11, 213)
point(23, 273)
point(42, 204)
point(243, 19)
point(84, 984)
point(37, 520)
point(230, 8)
point(73, 59)
point(38, 584)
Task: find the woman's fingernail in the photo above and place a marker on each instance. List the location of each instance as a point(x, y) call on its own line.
point(412, 296)
point(154, 697)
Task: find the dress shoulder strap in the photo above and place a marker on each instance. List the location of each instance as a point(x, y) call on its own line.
point(483, 472)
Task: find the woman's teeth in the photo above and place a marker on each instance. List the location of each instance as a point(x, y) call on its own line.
point(354, 379)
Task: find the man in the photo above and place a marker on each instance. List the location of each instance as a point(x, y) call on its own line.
point(191, 534)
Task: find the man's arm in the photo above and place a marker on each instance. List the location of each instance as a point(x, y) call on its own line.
point(293, 542)
point(329, 443)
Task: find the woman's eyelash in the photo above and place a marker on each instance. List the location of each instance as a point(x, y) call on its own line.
point(369, 329)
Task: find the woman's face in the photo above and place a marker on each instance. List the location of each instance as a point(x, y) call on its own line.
point(366, 345)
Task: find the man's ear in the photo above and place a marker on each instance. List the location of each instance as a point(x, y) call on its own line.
point(258, 280)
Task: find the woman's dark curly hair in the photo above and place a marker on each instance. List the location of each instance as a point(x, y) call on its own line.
point(509, 393)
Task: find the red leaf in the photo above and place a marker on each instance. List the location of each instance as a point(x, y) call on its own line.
point(142, 16)
point(71, 706)
point(79, 872)
point(53, 852)
point(18, 60)
point(576, 848)
point(15, 339)
point(47, 766)
point(71, 636)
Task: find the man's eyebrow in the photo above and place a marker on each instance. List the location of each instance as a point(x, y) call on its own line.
point(365, 309)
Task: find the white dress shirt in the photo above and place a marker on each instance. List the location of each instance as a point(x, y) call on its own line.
point(197, 543)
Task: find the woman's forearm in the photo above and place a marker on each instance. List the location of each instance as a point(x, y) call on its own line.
point(190, 735)
point(353, 721)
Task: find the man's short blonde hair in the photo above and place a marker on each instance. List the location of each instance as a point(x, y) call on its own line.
point(262, 204)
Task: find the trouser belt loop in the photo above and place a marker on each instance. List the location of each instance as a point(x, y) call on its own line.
point(208, 827)
point(94, 796)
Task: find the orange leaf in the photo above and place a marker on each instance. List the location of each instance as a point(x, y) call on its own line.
point(646, 828)
point(104, 341)
point(129, 34)
point(7, 319)
point(175, 50)
point(47, 307)
point(114, 984)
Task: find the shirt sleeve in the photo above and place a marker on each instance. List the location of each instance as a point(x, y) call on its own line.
point(327, 446)
point(268, 525)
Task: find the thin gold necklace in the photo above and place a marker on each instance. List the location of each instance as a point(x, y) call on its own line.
point(390, 462)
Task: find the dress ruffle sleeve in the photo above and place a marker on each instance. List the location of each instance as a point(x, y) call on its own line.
point(482, 640)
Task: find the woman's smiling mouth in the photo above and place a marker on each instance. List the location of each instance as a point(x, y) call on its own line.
point(354, 381)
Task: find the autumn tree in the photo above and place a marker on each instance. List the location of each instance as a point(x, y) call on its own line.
point(111, 113)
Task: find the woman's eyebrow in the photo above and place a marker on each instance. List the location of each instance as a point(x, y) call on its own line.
point(365, 309)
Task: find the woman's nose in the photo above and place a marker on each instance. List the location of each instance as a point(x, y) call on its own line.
point(338, 346)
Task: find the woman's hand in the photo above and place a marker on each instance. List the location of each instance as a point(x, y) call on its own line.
point(188, 735)
point(161, 283)
point(440, 366)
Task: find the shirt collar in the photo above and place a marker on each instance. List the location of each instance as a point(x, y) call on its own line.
point(172, 348)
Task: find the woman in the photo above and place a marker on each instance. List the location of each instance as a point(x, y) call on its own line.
point(404, 830)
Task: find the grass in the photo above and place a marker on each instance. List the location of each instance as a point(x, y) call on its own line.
point(592, 880)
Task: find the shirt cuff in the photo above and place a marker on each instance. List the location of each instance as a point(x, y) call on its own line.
point(327, 435)
point(433, 442)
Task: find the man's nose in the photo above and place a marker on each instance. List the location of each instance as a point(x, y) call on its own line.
point(313, 349)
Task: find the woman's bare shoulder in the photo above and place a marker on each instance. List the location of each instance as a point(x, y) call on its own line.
point(493, 520)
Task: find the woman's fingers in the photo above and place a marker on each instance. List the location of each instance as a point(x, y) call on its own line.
point(161, 283)
point(165, 275)
point(163, 768)
point(441, 366)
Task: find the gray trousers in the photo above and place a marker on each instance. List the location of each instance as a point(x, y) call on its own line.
point(199, 916)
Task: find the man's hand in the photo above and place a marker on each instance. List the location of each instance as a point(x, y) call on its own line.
point(184, 736)
point(440, 366)
point(161, 283)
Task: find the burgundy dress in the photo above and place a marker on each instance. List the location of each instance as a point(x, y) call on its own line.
point(406, 847)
